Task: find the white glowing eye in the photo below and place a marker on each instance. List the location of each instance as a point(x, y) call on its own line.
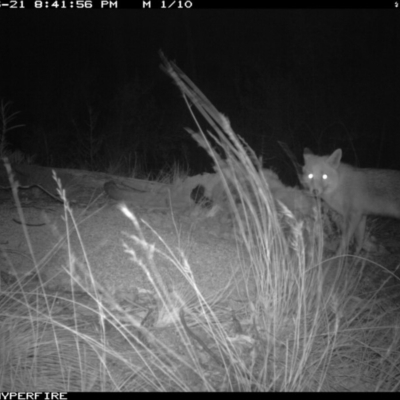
point(310, 176)
point(324, 177)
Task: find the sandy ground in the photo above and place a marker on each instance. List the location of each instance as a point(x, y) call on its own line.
point(40, 233)
point(104, 233)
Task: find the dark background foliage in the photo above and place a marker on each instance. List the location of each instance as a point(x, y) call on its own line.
point(91, 94)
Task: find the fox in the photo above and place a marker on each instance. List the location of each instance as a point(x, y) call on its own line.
point(353, 192)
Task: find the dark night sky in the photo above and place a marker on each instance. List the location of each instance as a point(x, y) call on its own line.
point(317, 78)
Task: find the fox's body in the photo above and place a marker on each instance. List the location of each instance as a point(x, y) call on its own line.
point(352, 192)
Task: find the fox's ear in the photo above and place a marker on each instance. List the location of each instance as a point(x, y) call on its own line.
point(307, 151)
point(335, 157)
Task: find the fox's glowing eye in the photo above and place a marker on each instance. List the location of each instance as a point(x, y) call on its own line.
point(310, 176)
point(324, 177)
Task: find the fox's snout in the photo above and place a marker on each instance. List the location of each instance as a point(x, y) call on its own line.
point(312, 185)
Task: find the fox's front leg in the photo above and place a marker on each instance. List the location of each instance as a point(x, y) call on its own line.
point(353, 226)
